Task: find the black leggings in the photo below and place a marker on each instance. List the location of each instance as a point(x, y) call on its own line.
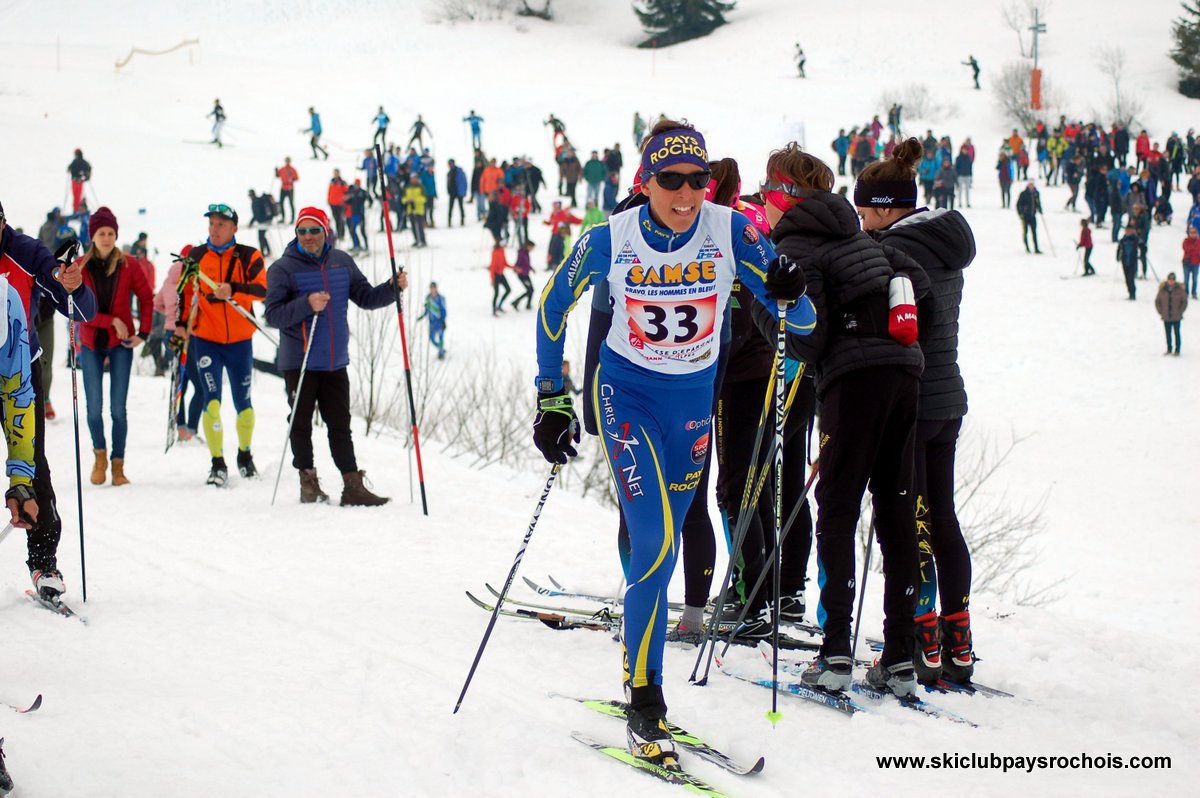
point(527, 284)
point(498, 300)
point(945, 561)
point(869, 417)
point(738, 413)
point(44, 535)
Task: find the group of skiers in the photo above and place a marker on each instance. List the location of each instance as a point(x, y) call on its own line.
point(945, 175)
point(841, 306)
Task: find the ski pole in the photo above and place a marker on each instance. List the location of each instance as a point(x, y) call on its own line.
point(412, 405)
point(245, 314)
point(78, 467)
point(8, 528)
point(1049, 240)
point(862, 588)
point(295, 400)
point(777, 561)
point(512, 574)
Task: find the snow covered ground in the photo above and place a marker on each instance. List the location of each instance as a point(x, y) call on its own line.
point(237, 649)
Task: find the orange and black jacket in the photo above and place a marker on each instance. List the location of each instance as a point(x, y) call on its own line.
point(242, 267)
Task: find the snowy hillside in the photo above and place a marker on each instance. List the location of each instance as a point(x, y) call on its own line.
point(237, 649)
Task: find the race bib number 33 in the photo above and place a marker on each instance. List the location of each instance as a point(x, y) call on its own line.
point(672, 325)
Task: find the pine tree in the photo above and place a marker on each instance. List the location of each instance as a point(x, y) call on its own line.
point(669, 22)
point(1186, 53)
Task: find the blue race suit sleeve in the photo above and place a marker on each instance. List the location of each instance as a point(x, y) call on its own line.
point(588, 262)
point(753, 253)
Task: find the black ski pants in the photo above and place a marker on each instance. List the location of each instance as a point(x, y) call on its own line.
point(339, 219)
point(738, 414)
point(328, 392)
point(1029, 225)
point(869, 417)
point(43, 536)
point(945, 560)
point(287, 196)
point(462, 216)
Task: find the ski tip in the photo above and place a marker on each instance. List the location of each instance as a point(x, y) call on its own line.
point(774, 716)
point(37, 703)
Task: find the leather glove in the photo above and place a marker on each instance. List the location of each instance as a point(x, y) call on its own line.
point(555, 427)
point(785, 280)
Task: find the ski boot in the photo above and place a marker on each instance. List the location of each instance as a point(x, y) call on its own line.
point(898, 679)
point(48, 583)
point(218, 475)
point(958, 660)
point(927, 652)
point(791, 606)
point(245, 463)
point(830, 673)
point(646, 728)
point(756, 627)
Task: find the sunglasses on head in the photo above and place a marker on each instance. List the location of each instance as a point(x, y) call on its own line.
point(309, 231)
point(791, 189)
point(673, 181)
point(221, 210)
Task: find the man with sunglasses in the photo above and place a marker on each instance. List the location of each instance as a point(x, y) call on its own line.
point(669, 265)
point(313, 283)
point(229, 277)
point(34, 273)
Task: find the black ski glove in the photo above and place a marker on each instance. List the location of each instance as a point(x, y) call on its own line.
point(22, 502)
point(555, 427)
point(785, 280)
point(67, 251)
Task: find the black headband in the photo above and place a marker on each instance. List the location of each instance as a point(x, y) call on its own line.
point(885, 194)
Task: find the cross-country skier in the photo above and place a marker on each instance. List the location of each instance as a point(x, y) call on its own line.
point(314, 129)
point(419, 130)
point(31, 269)
point(81, 172)
point(435, 311)
point(381, 125)
point(943, 244)
point(218, 117)
point(868, 371)
point(974, 65)
point(656, 374)
point(475, 121)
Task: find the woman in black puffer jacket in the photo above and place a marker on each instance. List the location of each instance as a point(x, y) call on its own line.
point(944, 245)
point(868, 369)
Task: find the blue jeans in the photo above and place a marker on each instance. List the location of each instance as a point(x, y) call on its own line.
point(1189, 279)
point(593, 193)
point(120, 359)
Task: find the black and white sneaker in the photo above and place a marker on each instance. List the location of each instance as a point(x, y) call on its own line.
point(900, 679)
point(245, 463)
point(218, 475)
point(650, 739)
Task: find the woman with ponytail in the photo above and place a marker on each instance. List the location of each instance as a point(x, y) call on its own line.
point(942, 242)
point(868, 369)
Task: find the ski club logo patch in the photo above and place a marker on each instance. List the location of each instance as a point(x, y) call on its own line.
point(700, 449)
point(708, 250)
point(204, 362)
point(636, 342)
point(627, 257)
point(750, 234)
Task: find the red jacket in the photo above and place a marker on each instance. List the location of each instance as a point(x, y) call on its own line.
point(499, 262)
point(1085, 237)
point(287, 177)
point(131, 282)
point(337, 193)
point(1191, 251)
point(561, 217)
point(1142, 146)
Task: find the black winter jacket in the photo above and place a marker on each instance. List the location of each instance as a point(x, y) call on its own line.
point(847, 274)
point(942, 242)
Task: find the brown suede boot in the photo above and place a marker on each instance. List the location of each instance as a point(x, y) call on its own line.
point(100, 466)
point(310, 487)
point(118, 471)
point(355, 493)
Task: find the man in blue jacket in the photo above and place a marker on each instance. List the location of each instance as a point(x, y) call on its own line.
point(33, 272)
point(314, 128)
point(312, 284)
point(456, 189)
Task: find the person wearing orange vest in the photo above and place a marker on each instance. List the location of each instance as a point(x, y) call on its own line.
point(337, 202)
point(288, 176)
point(228, 278)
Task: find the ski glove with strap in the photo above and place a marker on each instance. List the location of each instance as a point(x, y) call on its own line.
point(785, 280)
point(22, 503)
point(555, 427)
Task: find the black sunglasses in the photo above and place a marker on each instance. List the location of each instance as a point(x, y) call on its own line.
point(673, 181)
